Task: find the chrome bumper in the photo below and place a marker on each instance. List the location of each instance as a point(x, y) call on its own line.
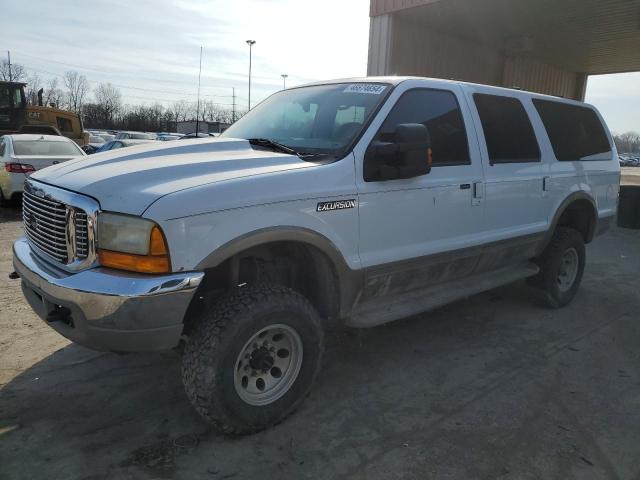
point(106, 309)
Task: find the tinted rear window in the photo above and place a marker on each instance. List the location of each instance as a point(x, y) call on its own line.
point(507, 129)
point(575, 132)
point(44, 148)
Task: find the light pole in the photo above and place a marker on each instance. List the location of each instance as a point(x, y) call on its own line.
point(284, 81)
point(251, 43)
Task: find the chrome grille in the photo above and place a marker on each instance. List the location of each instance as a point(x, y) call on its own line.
point(45, 224)
point(82, 245)
point(60, 225)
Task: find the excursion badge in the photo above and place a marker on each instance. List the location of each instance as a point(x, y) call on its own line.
point(335, 205)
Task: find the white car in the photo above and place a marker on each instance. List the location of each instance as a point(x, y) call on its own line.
point(135, 136)
point(21, 155)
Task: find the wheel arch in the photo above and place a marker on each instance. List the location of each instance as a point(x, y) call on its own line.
point(579, 211)
point(322, 272)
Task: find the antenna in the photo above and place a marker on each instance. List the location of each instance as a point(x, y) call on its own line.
point(198, 107)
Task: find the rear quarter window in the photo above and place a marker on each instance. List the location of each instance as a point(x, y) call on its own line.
point(507, 129)
point(575, 132)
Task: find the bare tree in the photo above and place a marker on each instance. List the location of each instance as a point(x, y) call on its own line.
point(33, 85)
point(179, 110)
point(628, 142)
point(109, 100)
point(77, 89)
point(16, 73)
point(52, 94)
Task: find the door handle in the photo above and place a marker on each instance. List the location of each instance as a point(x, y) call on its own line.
point(478, 193)
point(478, 190)
point(546, 184)
point(465, 186)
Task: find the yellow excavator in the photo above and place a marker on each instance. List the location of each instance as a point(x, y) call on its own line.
point(18, 117)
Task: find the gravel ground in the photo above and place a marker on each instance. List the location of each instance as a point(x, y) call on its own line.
point(489, 387)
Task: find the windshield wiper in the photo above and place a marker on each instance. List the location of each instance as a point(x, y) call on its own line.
point(265, 142)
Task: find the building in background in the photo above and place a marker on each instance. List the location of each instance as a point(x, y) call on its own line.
point(189, 126)
point(546, 46)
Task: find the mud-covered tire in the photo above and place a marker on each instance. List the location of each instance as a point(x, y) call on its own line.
point(552, 286)
point(220, 335)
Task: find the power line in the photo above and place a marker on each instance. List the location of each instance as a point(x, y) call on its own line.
point(124, 86)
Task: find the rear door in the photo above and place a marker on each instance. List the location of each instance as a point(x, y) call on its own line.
point(516, 203)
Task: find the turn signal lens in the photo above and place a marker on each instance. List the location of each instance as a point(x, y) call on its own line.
point(157, 244)
point(134, 263)
point(429, 157)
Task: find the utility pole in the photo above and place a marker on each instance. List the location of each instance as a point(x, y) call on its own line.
point(233, 111)
point(284, 81)
point(9, 58)
point(251, 43)
point(198, 107)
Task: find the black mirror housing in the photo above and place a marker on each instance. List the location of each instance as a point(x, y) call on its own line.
point(407, 156)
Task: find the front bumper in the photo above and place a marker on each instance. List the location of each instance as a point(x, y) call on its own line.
point(107, 309)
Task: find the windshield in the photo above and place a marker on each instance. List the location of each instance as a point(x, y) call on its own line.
point(321, 119)
point(44, 148)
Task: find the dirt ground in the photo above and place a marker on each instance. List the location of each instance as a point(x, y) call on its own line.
point(492, 387)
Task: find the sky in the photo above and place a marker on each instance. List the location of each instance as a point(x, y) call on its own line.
point(150, 49)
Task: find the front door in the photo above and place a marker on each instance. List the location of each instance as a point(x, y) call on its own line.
point(421, 230)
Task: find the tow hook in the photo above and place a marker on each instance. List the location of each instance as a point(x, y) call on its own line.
point(14, 276)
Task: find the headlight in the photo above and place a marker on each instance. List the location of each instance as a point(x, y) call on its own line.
point(132, 243)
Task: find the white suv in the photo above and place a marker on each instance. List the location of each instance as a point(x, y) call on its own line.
point(365, 200)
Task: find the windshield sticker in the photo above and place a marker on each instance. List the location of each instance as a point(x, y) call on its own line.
point(370, 88)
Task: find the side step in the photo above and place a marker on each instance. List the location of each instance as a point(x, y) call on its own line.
point(386, 309)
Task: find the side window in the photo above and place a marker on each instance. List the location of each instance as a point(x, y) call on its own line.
point(507, 129)
point(575, 132)
point(3, 147)
point(439, 111)
point(64, 124)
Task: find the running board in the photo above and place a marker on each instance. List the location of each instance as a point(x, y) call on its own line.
point(386, 309)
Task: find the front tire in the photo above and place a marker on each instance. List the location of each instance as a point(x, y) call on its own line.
point(252, 357)
point(561, 268)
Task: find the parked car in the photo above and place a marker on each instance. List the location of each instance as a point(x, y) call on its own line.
point(166, 137)
point(135, 136)
point(107, 137)
point(21, 155)
point(116, 144)
point(365, 201)
point(194, 135)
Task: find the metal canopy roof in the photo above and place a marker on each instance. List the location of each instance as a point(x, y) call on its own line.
point(589, 36)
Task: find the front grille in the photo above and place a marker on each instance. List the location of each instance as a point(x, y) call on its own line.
point(45, 224)
point(82, 240)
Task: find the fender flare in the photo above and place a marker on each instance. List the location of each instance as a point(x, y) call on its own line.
point(566, 203)
point(349, 281)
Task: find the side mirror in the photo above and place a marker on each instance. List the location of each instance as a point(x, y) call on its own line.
point(406, 155)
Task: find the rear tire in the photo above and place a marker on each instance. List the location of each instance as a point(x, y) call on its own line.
point(252, 357)
point(561, 268)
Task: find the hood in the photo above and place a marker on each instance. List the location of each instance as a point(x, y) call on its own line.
point(128, 180)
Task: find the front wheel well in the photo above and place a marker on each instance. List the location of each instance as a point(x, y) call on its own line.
point(293, 264)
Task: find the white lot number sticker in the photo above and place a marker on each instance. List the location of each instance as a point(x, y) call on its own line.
point(370, 88)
